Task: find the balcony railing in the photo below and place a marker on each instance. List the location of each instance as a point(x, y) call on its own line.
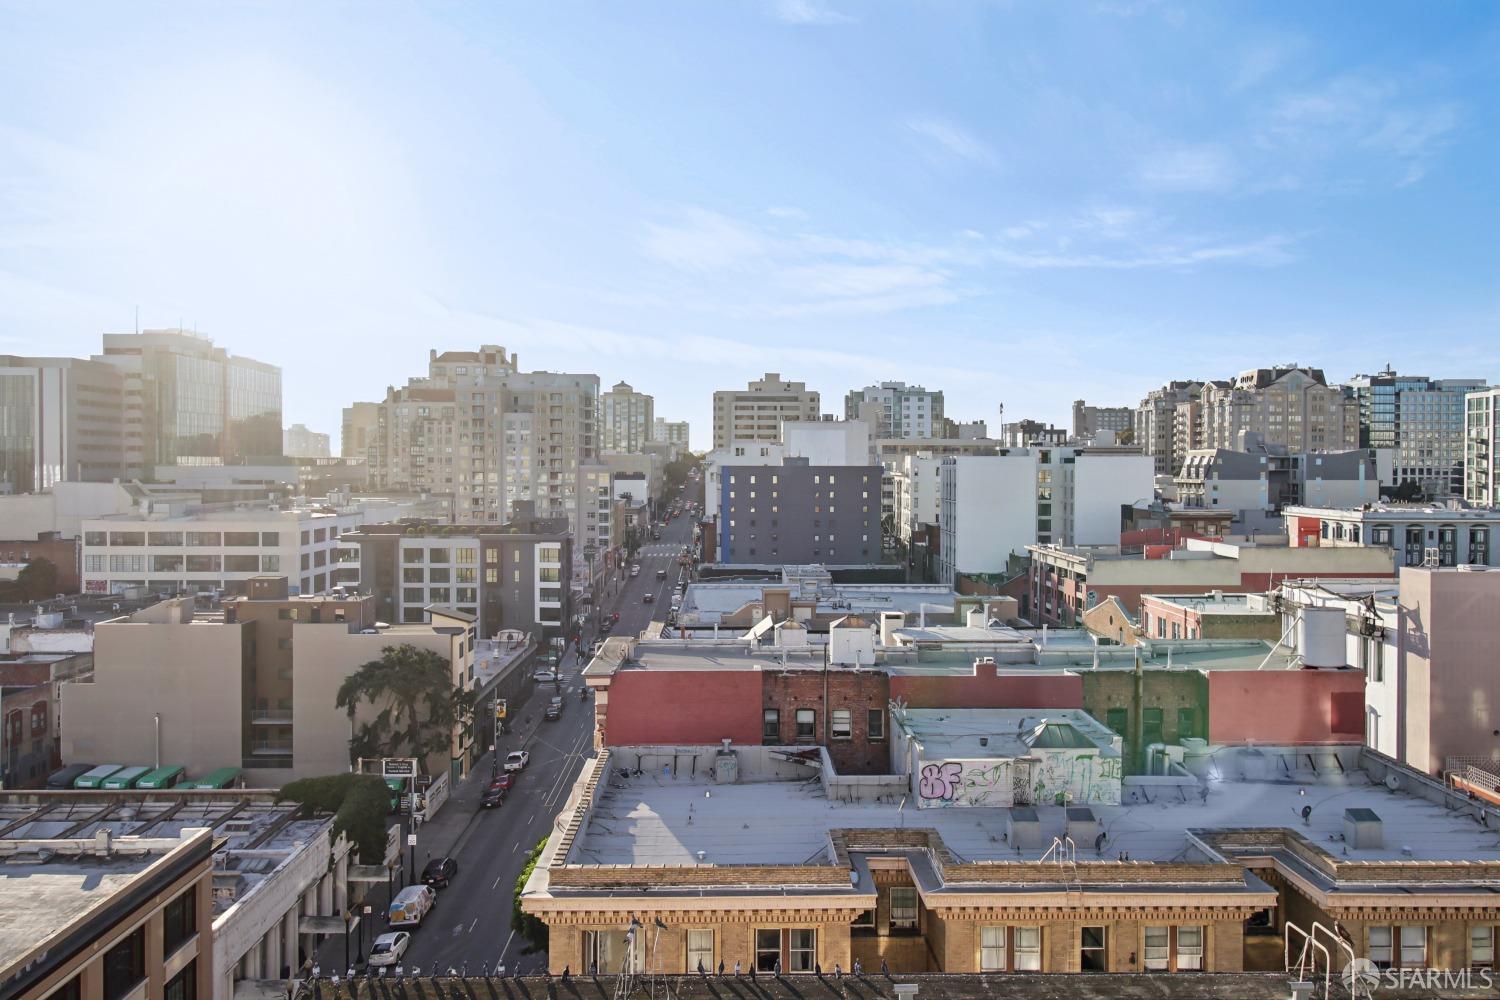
point(271, 716)
point(271, 748)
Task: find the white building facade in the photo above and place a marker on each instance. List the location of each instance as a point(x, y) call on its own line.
point(905, 411)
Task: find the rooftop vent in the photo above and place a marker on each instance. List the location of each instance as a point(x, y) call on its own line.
point(1082, 824)
point(1362, 828)
point(1023, 830)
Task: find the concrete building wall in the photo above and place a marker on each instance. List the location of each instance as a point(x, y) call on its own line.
point(828, 442)
point(988, 510)
point(1102, 483)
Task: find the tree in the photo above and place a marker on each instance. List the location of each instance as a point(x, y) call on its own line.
point(419, 705)
point(359, 802)
point(1407, 491)
point(37, 580)
point(533, 929)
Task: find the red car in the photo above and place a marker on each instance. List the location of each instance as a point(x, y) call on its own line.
point(615, 617)
point(503, 781)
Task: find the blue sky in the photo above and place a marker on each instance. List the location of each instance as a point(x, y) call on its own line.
point(1019, 203)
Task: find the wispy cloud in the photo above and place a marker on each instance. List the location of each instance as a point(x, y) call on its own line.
point(807, 12)
point(942, 140)
point(1188, 168)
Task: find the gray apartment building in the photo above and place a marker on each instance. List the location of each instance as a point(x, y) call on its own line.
point(516, 577)
point(799, 513)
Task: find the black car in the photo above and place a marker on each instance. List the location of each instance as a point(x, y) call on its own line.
point(439, 872)
point(606, 626)
point(493, 796)
point(554, 710)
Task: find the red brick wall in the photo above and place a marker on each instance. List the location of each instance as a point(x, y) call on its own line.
point(856, 691)
point(987, 690)
point(1285, 706)
point(696, 707)
point(60, 552)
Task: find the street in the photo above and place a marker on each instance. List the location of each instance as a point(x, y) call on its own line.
point(470, 925)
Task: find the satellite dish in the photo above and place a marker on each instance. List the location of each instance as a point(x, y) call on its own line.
point(1393, 783)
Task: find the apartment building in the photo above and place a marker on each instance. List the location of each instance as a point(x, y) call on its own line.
point(298, 441)
point(1266, 478)
point(358, 430)
point(1284, 405)
point(798, 512)
point(202, 550)
point(673, 432)
point(61, 420)
point(626, 419)
point(918, 488)
point(189, 402)
point(756, 412)
point(1481, 438)
point(1156, 423)
point(478, 429)
point(1415, 534)
point(900, 410)
point(254, 685)
point(95, 917)
point(828, 442)
point(1066, 581)
point(1422, 422)
point(1020, 433)
point(516, 578)
point(1091, 421)
point(994, 507)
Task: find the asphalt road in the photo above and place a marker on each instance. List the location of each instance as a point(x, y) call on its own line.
point(470, 926)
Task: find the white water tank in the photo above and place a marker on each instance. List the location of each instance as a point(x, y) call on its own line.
point(1320, 637)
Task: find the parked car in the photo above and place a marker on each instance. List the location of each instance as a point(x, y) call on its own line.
point(554, 710)
point(655, 535)
point(607, 626)
point(635, 570)
point(492, 797)
point(411, 906)
point(503, 781)
point(545, 676)
point(388, 948)
point(439, 872)
point(517, 760)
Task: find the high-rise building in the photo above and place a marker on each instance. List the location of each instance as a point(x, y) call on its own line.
point(673, 432)
point(481, 431)
point(756, 412)
point(1481, 437)
point(1422, 421)
point(903, 411)
point(1090, 421)
point(187, 402)
point(360, 425)
point(60, 421)
point(1156, 424)
point(625, 419)
point(298, 441)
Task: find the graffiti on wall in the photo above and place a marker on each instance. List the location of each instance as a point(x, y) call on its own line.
point(1047, 777)
point(964, 783)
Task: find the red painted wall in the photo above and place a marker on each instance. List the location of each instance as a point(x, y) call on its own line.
point(986, 690)
point(1285, 706)
point(683, 706)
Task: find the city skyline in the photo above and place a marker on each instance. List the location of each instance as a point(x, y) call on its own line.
point(685, 197)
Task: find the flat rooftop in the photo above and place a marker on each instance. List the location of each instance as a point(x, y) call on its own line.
point(708, 601)
point(656, 820)
point(1216, 603)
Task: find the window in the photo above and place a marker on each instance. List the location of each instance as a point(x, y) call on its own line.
point(184, 985)
point(1158, 949)
point(842, 723)
point(1481, 947)
point(242, 564)
point(1189, 947)
point(1091, 956)
point(700, 949)
point(802, 949)
point(1174, 949)
point(875, 724)
point(903, 899)
point(251, 538)
point(1151, 721)
point(770, 727)
point(865, 921)
point(125, 965)
point(270, 539)
point(179, 921)
point(767, 949)
point(807, 724)
point(1413, 946)
point(1117, 719)
point(1185, 724)
point(992, 942)
point(1028, 949)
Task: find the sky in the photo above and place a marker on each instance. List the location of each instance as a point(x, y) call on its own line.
point(1020, 204)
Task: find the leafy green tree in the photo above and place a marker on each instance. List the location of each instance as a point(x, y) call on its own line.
point(529, 927)
point(417, 703)
point(37, 579)
point(360, 804)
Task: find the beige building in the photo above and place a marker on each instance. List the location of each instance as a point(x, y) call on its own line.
point(478, 429)
point(767, 858)
point(252, 686)
point(1156, 420)
point(756, 412)
point(361, 423)
point(673, 432)
point(1286, 405)
point(625, 419)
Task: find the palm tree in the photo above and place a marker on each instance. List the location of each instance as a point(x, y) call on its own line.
point(418, 703)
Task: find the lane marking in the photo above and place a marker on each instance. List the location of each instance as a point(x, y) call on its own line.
point(512, 850)
point(473, 925)
point(497, 881)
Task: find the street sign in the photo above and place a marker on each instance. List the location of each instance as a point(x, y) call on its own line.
point(500, 708)
point(398, 767)
point(411, 840)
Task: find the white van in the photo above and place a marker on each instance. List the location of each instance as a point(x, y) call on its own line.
point(411, 906)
